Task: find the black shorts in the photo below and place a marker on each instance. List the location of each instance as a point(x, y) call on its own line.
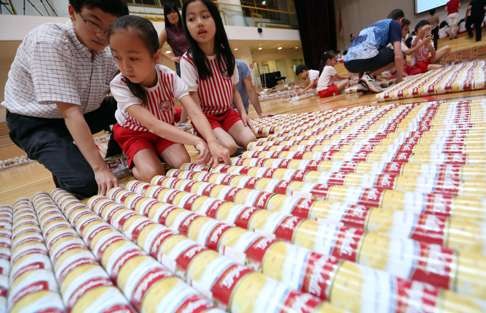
point(384, 57)
point(49, 142)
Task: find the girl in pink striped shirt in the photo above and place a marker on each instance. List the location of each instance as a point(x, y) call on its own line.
point(208, 68)
point(145, 93)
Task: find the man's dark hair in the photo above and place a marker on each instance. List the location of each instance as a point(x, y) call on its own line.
point(114, 7)
point(396, 14)
point(300, 68)
point(432, 12)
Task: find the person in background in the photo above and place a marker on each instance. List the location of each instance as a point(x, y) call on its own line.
point(424, 54)
point(452, 8)
point(246, 88)
point(369, 53)
point(56, 95)
point(468, 21)
point(174, 34)
point(308, 76)
point(408, 39)
point(434, 22)
point(330, 83)
point(477, 17)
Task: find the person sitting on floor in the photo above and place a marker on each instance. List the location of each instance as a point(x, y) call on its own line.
point(425, 56)
point(330, 83)
point(307, 75)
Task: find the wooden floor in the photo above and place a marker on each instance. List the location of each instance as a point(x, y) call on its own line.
point(25, 180)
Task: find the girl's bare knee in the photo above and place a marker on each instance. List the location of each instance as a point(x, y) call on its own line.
point(146, 173)
point(180, 160)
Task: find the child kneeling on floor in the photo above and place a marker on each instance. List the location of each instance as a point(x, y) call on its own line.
point(145, 93)
point(330, 83)
point(208, 68)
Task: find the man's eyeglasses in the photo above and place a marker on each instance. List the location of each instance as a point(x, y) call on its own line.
point(94, 26)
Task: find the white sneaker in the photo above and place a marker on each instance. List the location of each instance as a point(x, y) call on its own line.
point(355, 89)
point(371, 83)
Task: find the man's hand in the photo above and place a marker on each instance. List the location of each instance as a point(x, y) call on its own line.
point(79, 129)
point(105, 180)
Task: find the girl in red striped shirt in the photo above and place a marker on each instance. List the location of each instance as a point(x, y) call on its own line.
point(208, 68)
point(145, 94)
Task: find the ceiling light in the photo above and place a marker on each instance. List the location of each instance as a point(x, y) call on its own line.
point(260, 48)
point(264, 2)
point(236, 49)
point(296, 47)
point(168, 52)
point(279, 48)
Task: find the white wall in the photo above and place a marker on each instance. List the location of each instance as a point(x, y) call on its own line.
point(16, 27)
point(283, 61)
point(356, 14)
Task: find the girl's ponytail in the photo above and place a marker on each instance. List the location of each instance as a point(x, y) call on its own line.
point(137, 90)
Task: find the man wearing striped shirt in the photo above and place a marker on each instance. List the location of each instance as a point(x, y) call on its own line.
point(56, 91)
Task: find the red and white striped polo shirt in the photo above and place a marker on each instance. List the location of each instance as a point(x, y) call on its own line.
point(216, 92)
point(160, 98)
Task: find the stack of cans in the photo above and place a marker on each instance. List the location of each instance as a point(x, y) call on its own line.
point(84, 284)
point(320, 274)
point(216, 276)
point(364, 209)
point(33, 286)
point(5, 253)
point(148, 285)
point(451, 78)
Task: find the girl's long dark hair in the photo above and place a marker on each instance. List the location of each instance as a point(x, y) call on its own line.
point(170, 7)
point(224, 56)
point(148, 34)
point(326, 55)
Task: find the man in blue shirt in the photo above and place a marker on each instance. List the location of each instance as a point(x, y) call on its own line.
point(246, 88)
point(369, 52)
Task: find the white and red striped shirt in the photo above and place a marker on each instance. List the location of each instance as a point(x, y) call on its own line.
point(215, 92)
point(160, 98)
